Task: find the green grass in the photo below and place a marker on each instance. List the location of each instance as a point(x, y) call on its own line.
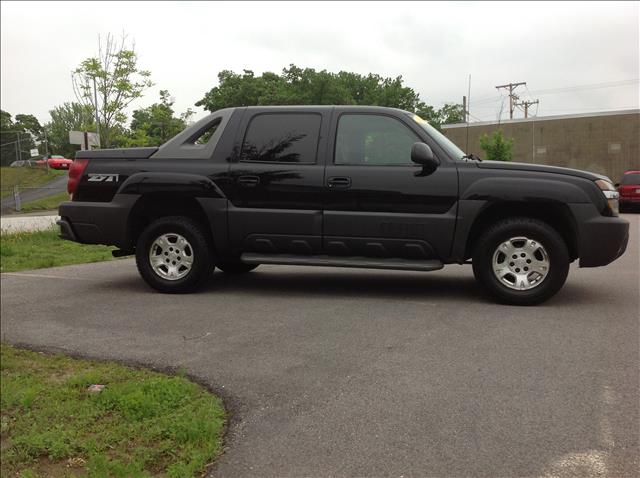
point(35, 250)
point(142, 424)
point(26, 177)
point(45, 204)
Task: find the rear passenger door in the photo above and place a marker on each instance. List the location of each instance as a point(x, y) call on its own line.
point(277, 181)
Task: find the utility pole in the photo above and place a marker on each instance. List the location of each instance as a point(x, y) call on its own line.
point(464, 108)
point(466, 100)
point(95, 98)
point(512, 96)
point(526, 105)
point(46, 143)
point(19, 148)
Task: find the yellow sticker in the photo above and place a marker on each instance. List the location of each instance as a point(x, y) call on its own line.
point(417, 119)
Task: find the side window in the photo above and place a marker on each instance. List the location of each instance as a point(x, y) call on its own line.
point(285, 138)
point(373, 140)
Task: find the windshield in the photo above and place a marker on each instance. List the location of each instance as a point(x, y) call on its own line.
point(632, 178)
point(444, 142)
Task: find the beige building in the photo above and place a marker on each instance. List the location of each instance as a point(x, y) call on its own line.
point(605, 143)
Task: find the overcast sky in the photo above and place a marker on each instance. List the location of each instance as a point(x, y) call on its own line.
point(434, 46)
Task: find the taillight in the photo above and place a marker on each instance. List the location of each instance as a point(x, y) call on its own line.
point(75, 175)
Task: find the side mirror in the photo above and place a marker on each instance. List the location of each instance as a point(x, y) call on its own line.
point(421, 154)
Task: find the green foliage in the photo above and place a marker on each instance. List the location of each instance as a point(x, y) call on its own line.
point(25, 131)
point(35, 250)
point(118, 81)
point(26, 177)
point(64, 118)
point(45, 204)
point(142, 424)
point(496, 147)
point(450, 114)
point(154, 125)
point(298, 86)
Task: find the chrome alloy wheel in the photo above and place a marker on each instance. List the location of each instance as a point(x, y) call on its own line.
point(520, 263)
point(171, 256)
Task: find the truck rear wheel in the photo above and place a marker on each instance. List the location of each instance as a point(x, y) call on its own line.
point(521, 261)
point(173, 255)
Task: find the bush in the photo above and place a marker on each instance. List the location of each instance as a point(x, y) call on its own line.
point(496, 147)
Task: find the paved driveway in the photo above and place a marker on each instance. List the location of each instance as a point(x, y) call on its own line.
point(337, 372)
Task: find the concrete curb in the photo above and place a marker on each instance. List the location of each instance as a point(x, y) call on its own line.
point(12, 225)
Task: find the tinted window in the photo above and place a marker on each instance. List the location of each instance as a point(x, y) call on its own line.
point(633, 178)
point(206, 135)
point(373, 140)
point(286, 138)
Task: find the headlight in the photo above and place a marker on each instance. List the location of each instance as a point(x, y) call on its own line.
point(611, 194)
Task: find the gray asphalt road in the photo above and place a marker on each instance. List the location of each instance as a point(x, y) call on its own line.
point(337, 372)
point(58, 185)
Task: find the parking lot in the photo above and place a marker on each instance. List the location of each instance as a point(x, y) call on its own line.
point(339, 372)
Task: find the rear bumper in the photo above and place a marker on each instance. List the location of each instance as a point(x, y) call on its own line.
point(601, 240)
point(97, 222)
point(66, 231)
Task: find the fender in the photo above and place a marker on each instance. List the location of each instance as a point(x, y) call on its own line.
point(527, 190)
point(190, 185)
point(486, 192)
point(201, 188)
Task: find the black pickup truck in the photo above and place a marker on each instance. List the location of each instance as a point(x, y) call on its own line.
point(341, 186)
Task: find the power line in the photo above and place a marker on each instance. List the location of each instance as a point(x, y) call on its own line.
point(512, 96)
point(488, 116)
point(564, 89)
point(588, 109)
point(526, 105)
point(593, 86)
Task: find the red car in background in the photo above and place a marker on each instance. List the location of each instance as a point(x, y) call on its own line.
point(59, 162)
point(629, 189)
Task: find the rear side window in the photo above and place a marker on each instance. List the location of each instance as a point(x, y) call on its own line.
point(207, 134)
point(629, 179)
point(282, 138)
point(373, 140)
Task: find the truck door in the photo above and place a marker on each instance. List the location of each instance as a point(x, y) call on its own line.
point(277, 181)
point(376, 202)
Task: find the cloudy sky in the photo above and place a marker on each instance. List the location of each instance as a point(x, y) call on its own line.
point(575, 57)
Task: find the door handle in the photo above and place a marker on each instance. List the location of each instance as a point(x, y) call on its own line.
point(248, 181)
point(339, 182)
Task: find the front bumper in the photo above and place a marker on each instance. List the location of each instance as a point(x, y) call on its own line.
point(97, 222)
point(601, 239)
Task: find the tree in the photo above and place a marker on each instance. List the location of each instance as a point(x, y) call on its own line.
point(306, 86)
point(154, 125)
point(8, 138)
point(64, 118)
point(117, 81)
point(451, 113)
point(18, 137)
point(496, 147)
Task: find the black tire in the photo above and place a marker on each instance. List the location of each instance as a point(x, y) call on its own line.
point(499, 232)
point(199, 247)
point(235, 267)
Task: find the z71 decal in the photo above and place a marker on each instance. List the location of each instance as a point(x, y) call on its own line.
point(107, 178)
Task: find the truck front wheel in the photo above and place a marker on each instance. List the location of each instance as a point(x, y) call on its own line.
point(521, 261)
point(173, 255)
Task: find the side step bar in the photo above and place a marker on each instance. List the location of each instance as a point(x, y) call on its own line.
point(342, 261)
